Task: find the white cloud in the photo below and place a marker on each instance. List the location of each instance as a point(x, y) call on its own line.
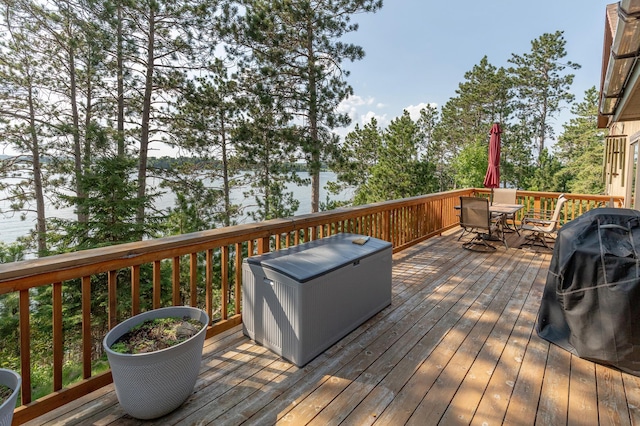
point(414, 110)
point(381, 119)
point(351, 105)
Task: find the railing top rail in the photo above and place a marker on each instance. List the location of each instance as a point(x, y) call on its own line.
point(546, 194)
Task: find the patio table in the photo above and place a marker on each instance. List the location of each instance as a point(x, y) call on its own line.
point(505, 210)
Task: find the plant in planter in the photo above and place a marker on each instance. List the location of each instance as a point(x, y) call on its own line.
point(10, 382)
point(152, 384)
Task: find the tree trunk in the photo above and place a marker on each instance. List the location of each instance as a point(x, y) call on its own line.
point(41, 223)
point(314, 166)
point(543, 128)
point(225, 172)
point(120, 77)
point(77, 148)
point(87, 118)
point(146, 114)
point(267, 179)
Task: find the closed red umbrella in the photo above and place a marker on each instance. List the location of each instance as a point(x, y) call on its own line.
point(492, 178)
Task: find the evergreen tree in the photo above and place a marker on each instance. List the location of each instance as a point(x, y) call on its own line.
point(542, 85)
point(431, 150)
point(75, 47)
point(110, 207)
point(25, 115)
point(172, 40)
point(481, 100)
point(358, 155)
point(264, 140)
point(547, 176)
point(204, 117)
point(427, 148)
point(297, 47)
point(581, 146)
point(397, 174)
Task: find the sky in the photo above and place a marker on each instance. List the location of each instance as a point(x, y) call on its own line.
point(417, 51)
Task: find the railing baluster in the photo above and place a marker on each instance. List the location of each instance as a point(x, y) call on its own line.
point(224, 282)
point(112, 298)
point(58, 349)
point(209, 285)
point(86, 327)
point(193, 279)
point(157, 284)
point(175, 281)
point(135, 290)
point(238, 296)
point(25, 347)
point(263, 245)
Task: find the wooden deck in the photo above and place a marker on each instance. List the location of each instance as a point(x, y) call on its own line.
point(457, 346)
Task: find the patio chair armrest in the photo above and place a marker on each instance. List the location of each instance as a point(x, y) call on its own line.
point(537, 221)
point(538, 214)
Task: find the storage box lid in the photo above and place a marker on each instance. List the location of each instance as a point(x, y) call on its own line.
point(307, 261)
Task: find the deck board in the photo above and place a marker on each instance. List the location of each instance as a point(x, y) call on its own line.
point(502, 345)
point(456, 346)
point(583, 405)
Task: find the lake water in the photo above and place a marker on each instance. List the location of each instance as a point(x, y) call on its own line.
point(13, 226)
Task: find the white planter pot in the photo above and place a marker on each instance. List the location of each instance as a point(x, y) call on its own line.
point(12, 380)
point(153, 384)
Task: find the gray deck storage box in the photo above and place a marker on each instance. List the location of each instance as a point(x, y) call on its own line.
point(301, 300)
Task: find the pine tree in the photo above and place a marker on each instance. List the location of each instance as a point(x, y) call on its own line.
point(110, 206)
point(358, 155)
point(25, 116)
point(172, 41)
point(466, 119)
point(203, 119)
point(397, 174)
point(297, 47)
point(264, 140)
point(542, 85)
point(581, 146)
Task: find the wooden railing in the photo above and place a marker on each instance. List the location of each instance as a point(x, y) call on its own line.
point(210, 275)
point(576, 205)
point(151, 275)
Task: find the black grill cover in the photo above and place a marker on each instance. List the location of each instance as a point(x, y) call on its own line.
point(591, 301)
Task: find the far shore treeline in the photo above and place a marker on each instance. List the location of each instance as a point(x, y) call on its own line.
point(90, 89)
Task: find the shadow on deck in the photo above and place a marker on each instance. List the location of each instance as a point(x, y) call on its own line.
point(457, 346)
